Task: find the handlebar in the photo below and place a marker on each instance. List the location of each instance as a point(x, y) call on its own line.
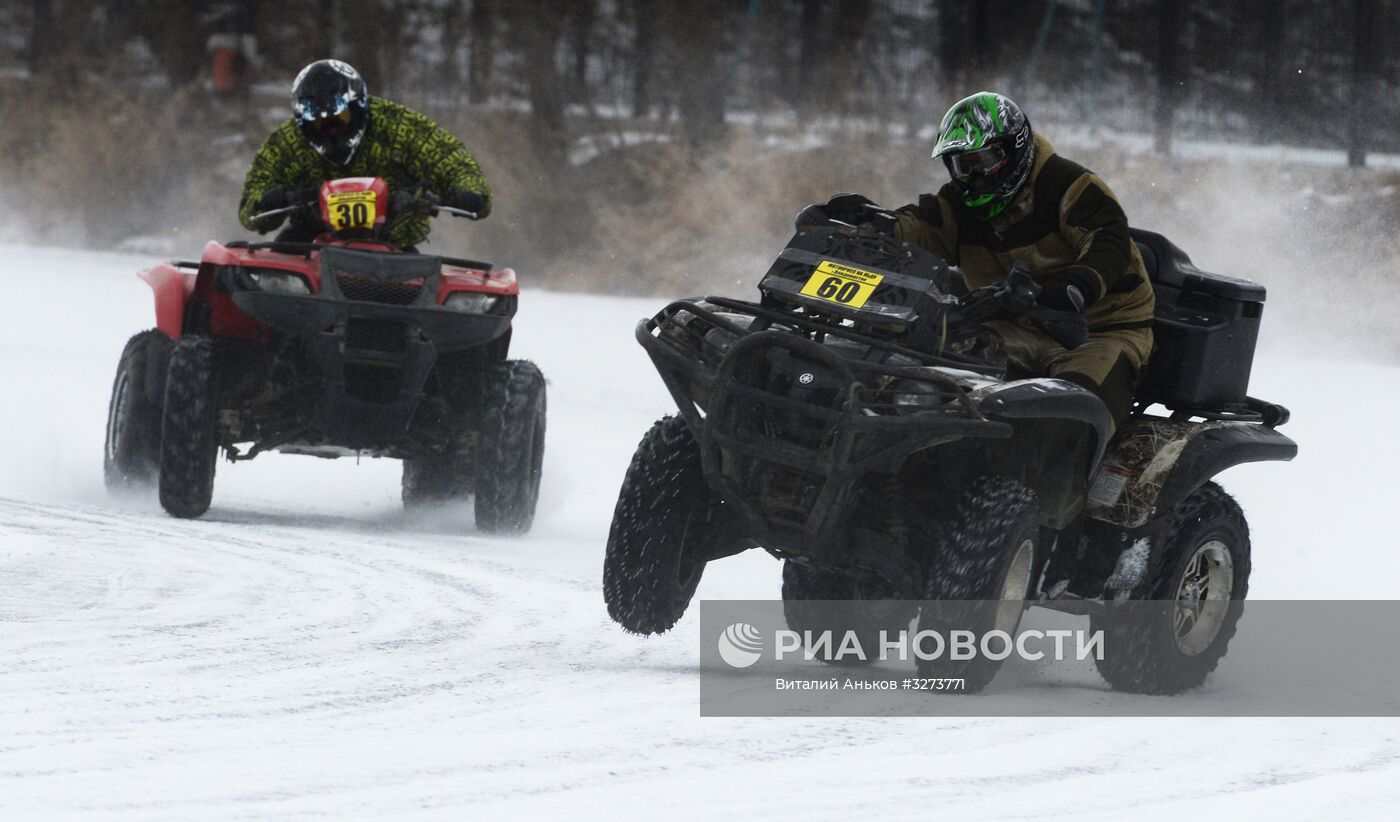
point(277, 212)
point(432, 208)
point(456, 212)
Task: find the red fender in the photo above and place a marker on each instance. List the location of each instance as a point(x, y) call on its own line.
point(172, 288)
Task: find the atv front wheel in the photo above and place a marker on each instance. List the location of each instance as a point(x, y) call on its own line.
point(1171, 642)
point(657, 547)
point(131, 457)
point(982, 567)
point(189, 441)
point(511, 448)
point(859, 606)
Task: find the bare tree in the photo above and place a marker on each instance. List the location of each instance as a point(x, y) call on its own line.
point(176, 35)
point(697, 32)
point(645, 29)
point(953, 24)
point(41, 36)
point(366, 29)
point(809, 53)
point(1170, 15)
point(536, 34)
point(1270, 16)
point(583, 17)
point(1363, 59)
point(483, 50)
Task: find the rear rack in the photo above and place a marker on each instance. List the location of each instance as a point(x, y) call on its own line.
point(1271, 415)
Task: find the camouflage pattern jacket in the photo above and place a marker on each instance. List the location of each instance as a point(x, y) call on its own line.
point(400, 145)
point(1065, 217)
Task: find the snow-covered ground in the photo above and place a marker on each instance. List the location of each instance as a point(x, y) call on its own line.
point(308, 650)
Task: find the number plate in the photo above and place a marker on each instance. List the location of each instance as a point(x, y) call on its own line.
point(841, 284)
point(352, 209)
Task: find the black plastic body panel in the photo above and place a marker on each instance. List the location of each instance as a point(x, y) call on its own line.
point(914, 284)
point(1205, 332)
point(1216, 449)
point(391, 347)
point(735, 452)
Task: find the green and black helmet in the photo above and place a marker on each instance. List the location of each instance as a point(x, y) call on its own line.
point(986, 142)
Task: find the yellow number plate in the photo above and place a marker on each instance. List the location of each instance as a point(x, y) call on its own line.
point(841, 284)
point(352, 209)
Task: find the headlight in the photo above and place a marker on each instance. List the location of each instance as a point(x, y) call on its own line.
point(280, 282)
point(470, 302)
point(913, 396)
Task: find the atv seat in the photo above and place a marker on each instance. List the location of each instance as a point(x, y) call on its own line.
point(1205, 331)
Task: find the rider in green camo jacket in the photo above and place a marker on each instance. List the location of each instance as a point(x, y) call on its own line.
point(337, 130)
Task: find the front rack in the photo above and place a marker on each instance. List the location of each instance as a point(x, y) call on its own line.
point(307, 249)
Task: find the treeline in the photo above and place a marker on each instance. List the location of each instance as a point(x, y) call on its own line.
point(656, 144)
point(1294, 71)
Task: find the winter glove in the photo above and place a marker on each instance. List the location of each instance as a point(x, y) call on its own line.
point(1066, 326)
point(466, 201)
point(272, 199)
point(413, 202)
point(280, 197)
point(1074, 291)
point(285, 197)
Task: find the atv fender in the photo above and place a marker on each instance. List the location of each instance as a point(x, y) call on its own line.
point(1153, 465)
point(1046, 398)
point(172, 289)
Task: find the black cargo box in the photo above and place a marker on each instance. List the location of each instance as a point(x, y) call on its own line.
point(1206, 328)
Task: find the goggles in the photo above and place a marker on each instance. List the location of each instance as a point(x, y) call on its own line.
point(330, 121)
point(972, 167)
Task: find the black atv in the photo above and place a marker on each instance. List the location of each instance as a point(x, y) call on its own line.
point(846, 424)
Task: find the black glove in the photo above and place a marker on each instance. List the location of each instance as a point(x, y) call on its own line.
point(272, 199)
point(285, 197)
point(1066, 326)
point(280, 197)
point(466, 201)
point(413, 202)
point(853, 209)
point(1075, 291)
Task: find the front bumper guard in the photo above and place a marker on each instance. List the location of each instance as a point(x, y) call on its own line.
point(325, 321)
point(862, 437)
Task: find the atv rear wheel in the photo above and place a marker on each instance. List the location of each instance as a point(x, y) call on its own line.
point(657, 547)
point(189, 441)
point(1172, 642)
point(982, 566)
point(511, 448)
point(131, 456)
point(859, 606)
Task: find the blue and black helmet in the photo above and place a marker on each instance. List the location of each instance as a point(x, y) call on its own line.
point(330, 104)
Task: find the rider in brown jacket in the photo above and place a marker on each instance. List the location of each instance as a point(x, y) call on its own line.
point(1013, 199)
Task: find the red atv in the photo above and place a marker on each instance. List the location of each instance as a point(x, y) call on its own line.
point(344, 346)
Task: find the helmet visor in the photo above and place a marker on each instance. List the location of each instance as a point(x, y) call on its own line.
point(325, 123)
point(975, 169)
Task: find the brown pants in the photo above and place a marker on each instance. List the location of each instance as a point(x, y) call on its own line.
point(1108, 364)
